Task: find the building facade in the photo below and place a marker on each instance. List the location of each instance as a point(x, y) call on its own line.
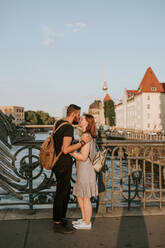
point(97, 110)
point(142, 109)
point(15, 111)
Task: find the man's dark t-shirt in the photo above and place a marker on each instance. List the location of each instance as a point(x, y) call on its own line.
point(64, 131)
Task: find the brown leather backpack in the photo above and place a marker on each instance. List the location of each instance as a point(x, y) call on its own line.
point(47, 156)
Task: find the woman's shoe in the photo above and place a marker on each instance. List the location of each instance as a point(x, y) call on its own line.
point(75, 222)
point(83, 226)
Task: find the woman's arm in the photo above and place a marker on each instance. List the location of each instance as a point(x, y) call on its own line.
point(84, 152)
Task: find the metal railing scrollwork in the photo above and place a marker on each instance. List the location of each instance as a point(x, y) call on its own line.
point(133, 176)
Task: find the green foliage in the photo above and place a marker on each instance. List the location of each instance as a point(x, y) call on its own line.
point(38, 118)
point(109, 112)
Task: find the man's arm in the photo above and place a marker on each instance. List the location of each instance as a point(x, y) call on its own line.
point(67, 147)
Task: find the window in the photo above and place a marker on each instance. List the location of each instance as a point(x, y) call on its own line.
point(153, 88)
point(148, 116)
point(148, 125)
point(148, 97)
point(148, 106)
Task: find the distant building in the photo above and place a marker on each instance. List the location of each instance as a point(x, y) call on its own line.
point(64, 111)
point(15, 111)
point(143, 109)
point(97, 110)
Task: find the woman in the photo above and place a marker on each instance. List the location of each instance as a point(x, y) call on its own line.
point(85, 186)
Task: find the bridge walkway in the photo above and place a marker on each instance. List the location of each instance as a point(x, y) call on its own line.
point(36, 231)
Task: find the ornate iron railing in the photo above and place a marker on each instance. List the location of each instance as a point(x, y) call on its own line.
point(133, 175)
point(27, 183)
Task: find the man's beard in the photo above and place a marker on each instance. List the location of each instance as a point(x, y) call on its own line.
point(75, 122)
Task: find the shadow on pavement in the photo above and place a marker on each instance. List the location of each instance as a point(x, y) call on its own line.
point(132, 232)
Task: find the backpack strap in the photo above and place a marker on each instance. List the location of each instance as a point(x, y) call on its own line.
point(54, 126)
point(56, 129)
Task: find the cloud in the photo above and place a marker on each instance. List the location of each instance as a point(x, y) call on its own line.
point(77, 26)
point(50, 36)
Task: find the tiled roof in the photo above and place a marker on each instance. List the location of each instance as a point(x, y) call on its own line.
point(150, 83)
point(107, 98)
point(132, 93)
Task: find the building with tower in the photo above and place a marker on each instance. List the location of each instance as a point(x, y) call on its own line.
point(143, 109)
point(97, 107)
point(105, 88)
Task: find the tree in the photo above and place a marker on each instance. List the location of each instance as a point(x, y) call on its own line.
point(38, 118)
point(31, 118)
point(109, 112)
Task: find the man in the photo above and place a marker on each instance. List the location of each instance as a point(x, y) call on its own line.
point(63, 168)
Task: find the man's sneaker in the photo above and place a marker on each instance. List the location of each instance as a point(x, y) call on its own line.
point(64, 221)
point(83, 226)
point(75, 222)
point(60, 228)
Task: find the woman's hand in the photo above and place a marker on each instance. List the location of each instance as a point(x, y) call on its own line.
point(83, 154)
point(72, 154)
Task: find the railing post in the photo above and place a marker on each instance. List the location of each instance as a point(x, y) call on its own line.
point(101, 205)
point(129, 192)
point(101, 208)
point(30, 180)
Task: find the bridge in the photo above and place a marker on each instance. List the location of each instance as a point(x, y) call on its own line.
point(132, 183)
point(38, 126)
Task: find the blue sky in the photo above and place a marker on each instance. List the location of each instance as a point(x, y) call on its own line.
point(53, 53)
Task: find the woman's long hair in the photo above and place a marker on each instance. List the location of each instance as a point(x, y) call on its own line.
point(91, 128)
